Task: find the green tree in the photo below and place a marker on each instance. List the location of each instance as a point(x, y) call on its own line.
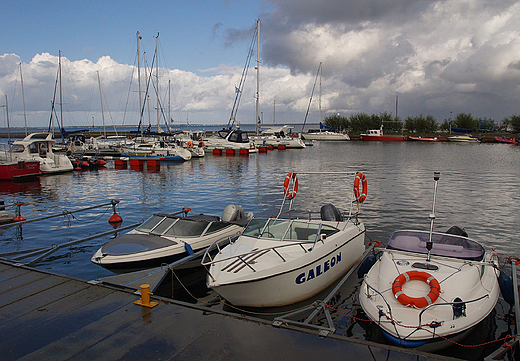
point(337, 121)
point(466, 121)
point(512, 123)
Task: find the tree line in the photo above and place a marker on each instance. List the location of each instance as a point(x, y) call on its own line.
point(361, 122)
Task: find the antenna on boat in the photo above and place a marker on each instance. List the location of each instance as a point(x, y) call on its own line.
point(429, 244)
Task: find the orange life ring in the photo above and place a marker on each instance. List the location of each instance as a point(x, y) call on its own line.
point(360, 196)
point(189, 145)
point(202, 144)
point(290, 194)
point(420, 302)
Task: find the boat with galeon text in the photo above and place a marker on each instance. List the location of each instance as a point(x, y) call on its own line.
point(428, 289)
point(280, 261)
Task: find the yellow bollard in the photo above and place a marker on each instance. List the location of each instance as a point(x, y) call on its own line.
point(145, 297)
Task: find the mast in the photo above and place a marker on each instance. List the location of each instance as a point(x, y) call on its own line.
point(139, 82)
point(23, 100)
point(169, 103)
point(319, 97)
point(7, 117)
point(257, 74)
point(274, 111)
point(61, 92)
point(102, 112)
point(157, 80)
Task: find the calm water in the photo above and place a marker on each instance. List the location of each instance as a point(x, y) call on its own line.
point(478, 190)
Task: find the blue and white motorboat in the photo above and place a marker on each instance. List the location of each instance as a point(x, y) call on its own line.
point(166, 238)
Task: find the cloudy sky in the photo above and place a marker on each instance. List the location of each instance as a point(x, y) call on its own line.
point(435, 57)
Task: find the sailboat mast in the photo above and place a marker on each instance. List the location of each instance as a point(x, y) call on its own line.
point(102, 112)
point(61, 93)
point(23, 100)
point(8, 126)
point(319, 97)
point(157, 80)
point(139, 82)
point(257, 75)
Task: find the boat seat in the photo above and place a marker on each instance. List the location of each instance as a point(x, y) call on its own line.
point(330, 213)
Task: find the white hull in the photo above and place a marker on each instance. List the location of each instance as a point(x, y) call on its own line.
point(467, 280)
point(325, 136)
point(177, 249)
point(38, 147)
point(279, 283)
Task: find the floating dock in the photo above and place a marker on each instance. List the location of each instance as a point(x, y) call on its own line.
point(46, 316)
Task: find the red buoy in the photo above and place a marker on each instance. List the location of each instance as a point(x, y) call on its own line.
point(115, 220)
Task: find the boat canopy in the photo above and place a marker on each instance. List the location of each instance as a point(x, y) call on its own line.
point(447, 245)
point(236, 136)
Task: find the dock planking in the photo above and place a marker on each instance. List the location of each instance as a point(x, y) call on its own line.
point(45, 316)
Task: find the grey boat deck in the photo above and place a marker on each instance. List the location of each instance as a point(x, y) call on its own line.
point(50, 317)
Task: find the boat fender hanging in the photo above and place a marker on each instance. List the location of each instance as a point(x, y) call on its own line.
point(360, 196)
point(290, 178)
point(418, 302)
point(188, 248)
point(366, 265)
point(506, 287)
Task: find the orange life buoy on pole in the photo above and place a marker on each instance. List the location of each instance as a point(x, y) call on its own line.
point(360, 196)
point(419, 302)
point(290, 178)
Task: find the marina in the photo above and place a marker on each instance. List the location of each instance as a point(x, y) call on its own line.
point(397, 172)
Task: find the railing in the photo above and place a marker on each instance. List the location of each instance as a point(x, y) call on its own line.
point(245, 259)
point(454, 303)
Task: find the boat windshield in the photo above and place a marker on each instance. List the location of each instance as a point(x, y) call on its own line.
point(17, 148)
point(447, 245)
point(292, 230)
point(187, 228)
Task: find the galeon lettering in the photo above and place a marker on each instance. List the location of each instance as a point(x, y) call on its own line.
point(319, 270)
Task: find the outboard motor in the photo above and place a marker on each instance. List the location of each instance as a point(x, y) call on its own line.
point(459, 308)
point(457, 231)
point(233, 213)
point(330, 213)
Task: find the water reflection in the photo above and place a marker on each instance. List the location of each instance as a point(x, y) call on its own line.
point(478, 190)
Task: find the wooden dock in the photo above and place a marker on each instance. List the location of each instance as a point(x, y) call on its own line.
point(45, 316)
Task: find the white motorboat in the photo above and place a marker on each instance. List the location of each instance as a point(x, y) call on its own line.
point(276, 136)
point(38, 147)
point(230, 139)
point(428, 288)
point(157, 150)
point(325, 135)
point(277, 262)
point(192, 141)
point(165, 238)
point(464, 138)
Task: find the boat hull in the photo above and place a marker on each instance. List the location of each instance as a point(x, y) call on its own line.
point(423, 139)
point(295, 280)
point(330, 136)
point(19, 170)
point(383, 138)
point(135, 250)
point(458, 279)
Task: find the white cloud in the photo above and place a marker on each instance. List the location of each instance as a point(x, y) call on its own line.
point(438, 56)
